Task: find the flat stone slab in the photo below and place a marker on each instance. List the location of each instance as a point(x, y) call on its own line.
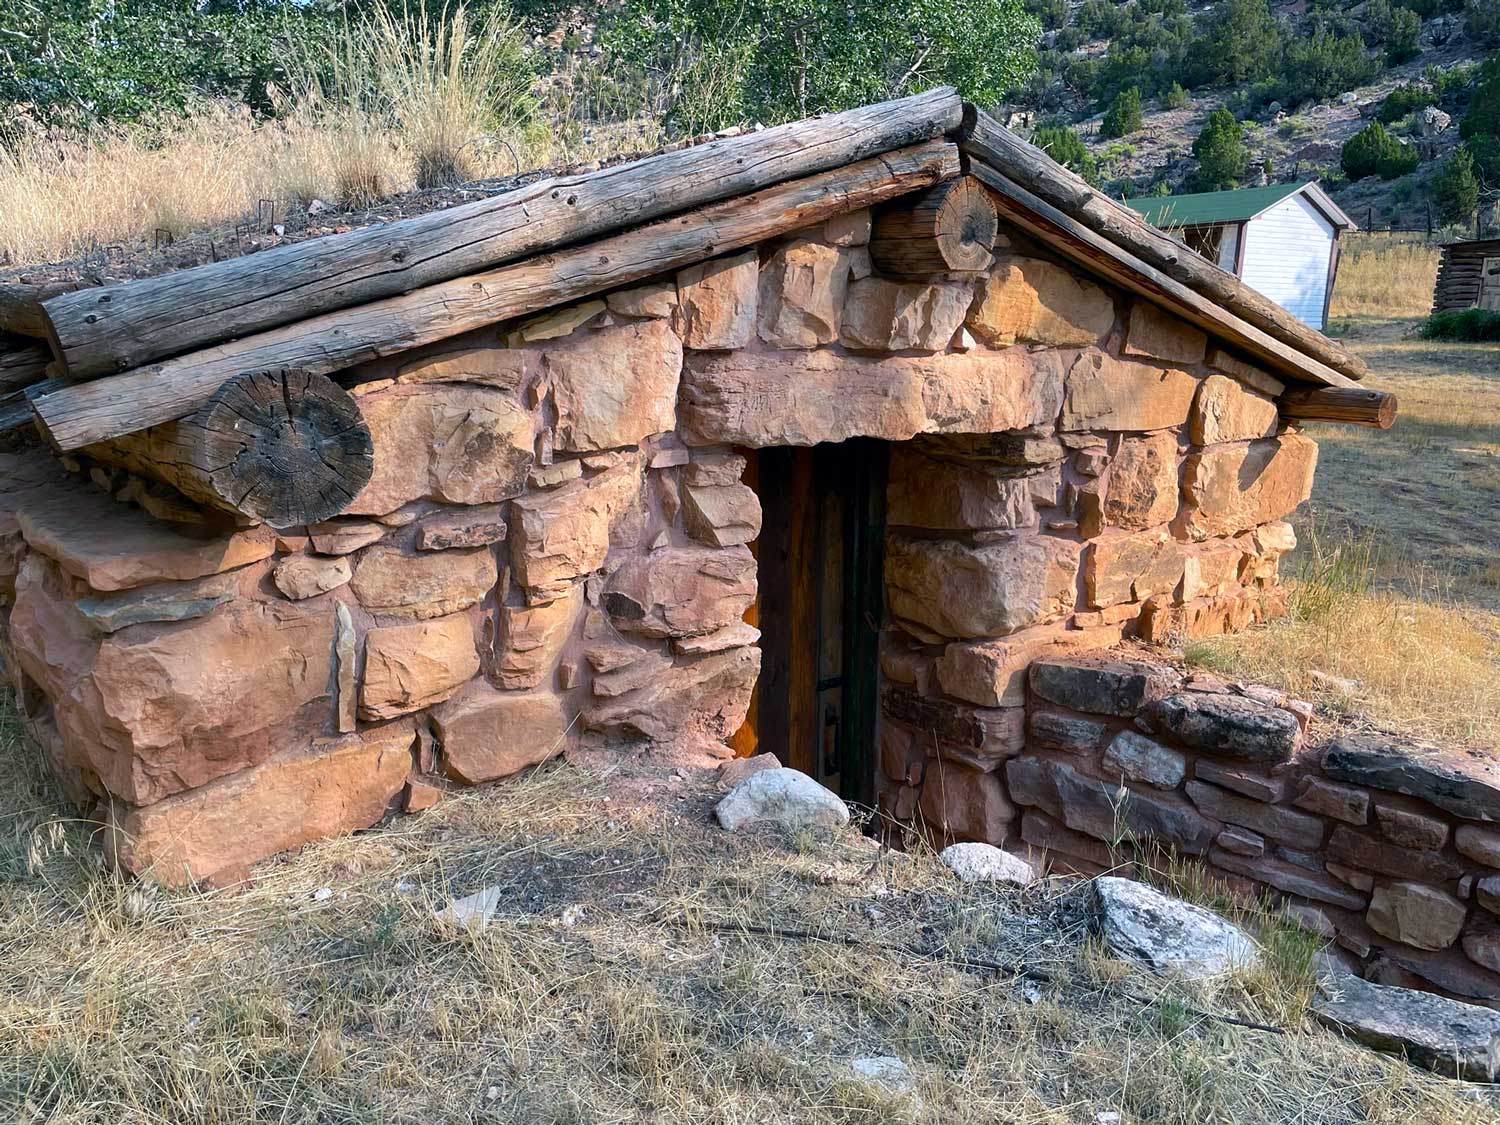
point(780, 796)
point(1100, 685)
point(1230, 725)
point(1167, 935)
point(1442, 1035)
point(1467, 784)
point(113, 546)
point(176, 601)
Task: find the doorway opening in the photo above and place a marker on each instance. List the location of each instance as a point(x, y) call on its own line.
point(820, 606)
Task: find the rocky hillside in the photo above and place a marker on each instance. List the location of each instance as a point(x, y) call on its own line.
point(1296, 136)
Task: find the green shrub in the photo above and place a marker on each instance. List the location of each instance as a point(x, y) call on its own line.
point(1403, 37)
point(1124, 116)
point(1483, 114)
point(1240, 42)
point(1455, 188)
point(1220, 151)
point(1324, 65)
point(1482, 18)
point(1404, 99)
point(1067, 148)
point(1175, 97)
point(1374, 152)
point(1473, 326)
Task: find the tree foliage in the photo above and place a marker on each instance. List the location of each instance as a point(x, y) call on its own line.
point(1221, 153)
point(1241, 42)
point(1482, 20)
point(1374, 152)
point(1455, 189)
point(1067, 148)
point(1124, 115)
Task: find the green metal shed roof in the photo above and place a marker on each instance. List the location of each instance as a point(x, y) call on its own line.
point(1211, 206)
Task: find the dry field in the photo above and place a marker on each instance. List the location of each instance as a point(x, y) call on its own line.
point(643, 967)
point(1397, 608)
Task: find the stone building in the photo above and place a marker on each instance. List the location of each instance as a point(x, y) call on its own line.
point(810, 441)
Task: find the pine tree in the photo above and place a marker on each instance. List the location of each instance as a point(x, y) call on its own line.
point(1067, 148)
point(1124, 116)
point(1220, 152)
point(1455, 188)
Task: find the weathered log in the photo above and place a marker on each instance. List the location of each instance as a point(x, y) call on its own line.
point(1355, 406)
point(1100, 256)
point(952, 227)
point(105, 408)
point(123, 326)
point(983, 139)
point(21, 305)
point(282, 447)
point(16, 408)
point(22, 362)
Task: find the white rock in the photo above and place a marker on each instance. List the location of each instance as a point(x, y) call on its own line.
point(780, 796)
point(472, 912)
point(887, 1071)
point(1168, 935)
point(984, 863)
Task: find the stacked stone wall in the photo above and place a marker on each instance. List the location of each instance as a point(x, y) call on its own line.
point(553, 547)
point(1386, 849)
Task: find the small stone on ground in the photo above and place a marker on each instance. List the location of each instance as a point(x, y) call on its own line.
point(472, 912)
point(780, 796)
point(984, 863)
point(1167, 935)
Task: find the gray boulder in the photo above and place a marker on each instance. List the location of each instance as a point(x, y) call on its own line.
point(984, 863)
point(1167, 935)
point(780, 796)
point(1446, 1036)
point(1229, 725)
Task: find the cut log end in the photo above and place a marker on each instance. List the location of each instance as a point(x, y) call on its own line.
point(1355, 406)
point(284, 447)
point(950, 228)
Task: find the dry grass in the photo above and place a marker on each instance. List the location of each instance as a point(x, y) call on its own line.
point(1384, 275)
point(621, 982)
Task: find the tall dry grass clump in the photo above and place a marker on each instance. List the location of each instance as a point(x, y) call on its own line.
point(1385, 275)
point(1395, 651)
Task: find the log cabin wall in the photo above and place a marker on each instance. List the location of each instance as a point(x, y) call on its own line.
point(552, 546)
point(1460, 277)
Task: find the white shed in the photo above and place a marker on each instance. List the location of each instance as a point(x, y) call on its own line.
point(1282, 239)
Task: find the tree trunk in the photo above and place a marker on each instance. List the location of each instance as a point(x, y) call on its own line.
point(950, 228)
point(1354, 406)
point(283, 447)
point(119, 327)
point(105, 408)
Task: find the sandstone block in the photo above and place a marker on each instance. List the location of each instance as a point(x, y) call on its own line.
point(1142, 487)
point(802, 290)
point(644, 666)
point(849, 229)
point(166, 601)
point(112, 547)
point(721, 515)
point(1479, 844)
point(894, 316)
point(978, 737)
point(787, 398)
point(486, 734)
point(307, 576)
point(681, 591)
point(614, 387)
point(1245, 373)
point(1233, 487)
point(488, 366)
point(709, 695)
point(1241, 841)
point(1289, 877)
point(430, 584)
point(344, 537)
point(1416, 914)
point(1041, 831)
point(1096, 809)
point(963, 804)
point(1481, 944)
point(408, 667)
point(1101, 685)
point(1210, 570)
point(292, 799)
point(557, 323)
point(1163, 622)
point(1487, 893)
point(562, 535)
point(1410, 829)
point(529, 639)
point(160, 708)
point(654, 299)
point(1008, 448)
point(1159, 335)
point(1029, 301)
point(719, 302)
point(731, 636)
point(941, 495)
point(1104, 393)
point(1228, 725)
point(1297, 829)
point(1245, 782)
point(456, 443)
point(1466, 786)
point(1226, 411)
point(953, 590)
point(1057, 730)
point(1358, 850)
point(1138, 758)
point(462, 527)
point(1130, 568)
